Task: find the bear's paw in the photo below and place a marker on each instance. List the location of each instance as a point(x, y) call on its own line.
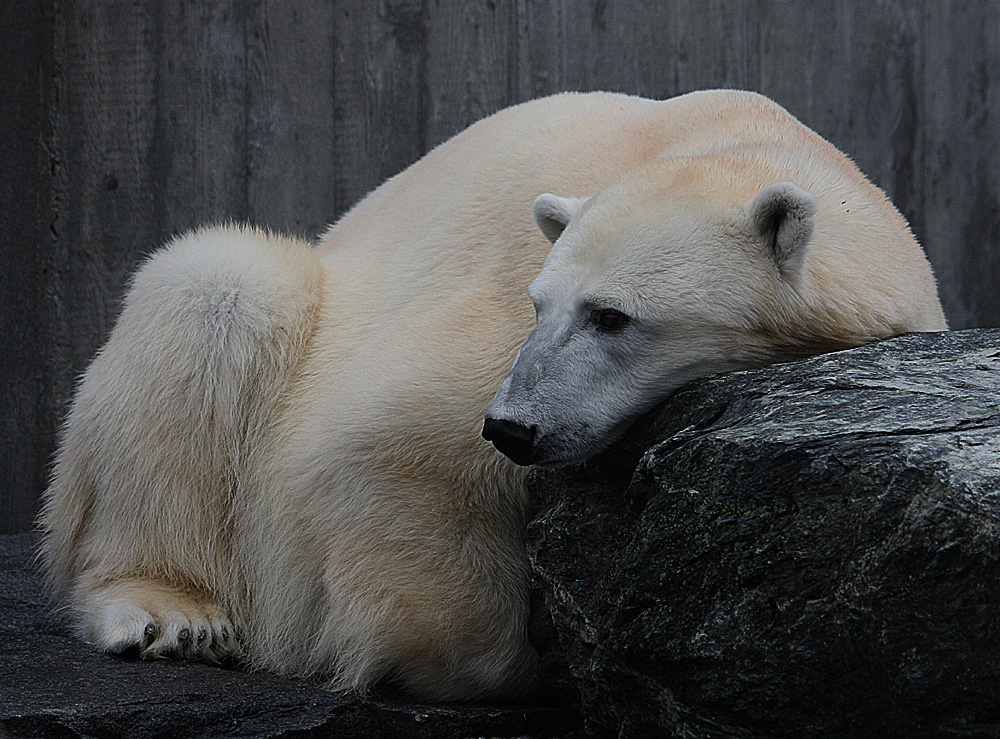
point(156, 621)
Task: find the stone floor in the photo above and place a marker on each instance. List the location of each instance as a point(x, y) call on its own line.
point(54, 685)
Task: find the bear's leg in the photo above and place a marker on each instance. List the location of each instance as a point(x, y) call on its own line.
point(156, 620)
point(157, 457)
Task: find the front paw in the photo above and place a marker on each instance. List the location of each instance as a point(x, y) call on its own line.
point(154, 621)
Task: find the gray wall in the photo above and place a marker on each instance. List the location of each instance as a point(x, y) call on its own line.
point(127, 121)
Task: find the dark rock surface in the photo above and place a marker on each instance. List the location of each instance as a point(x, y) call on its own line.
point(812, 551)
point(53, 685)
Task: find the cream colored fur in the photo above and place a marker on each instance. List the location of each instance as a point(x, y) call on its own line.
point(283, 440)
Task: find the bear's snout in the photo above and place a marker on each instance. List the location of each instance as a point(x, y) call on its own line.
point(511, 439)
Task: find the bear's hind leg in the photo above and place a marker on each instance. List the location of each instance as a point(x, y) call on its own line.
point(156, 460)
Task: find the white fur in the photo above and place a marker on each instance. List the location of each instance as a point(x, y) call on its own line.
point(284, 440)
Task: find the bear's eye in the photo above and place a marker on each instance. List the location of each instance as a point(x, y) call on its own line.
point(609, 319)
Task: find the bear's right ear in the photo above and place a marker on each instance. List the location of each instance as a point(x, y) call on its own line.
point(552, 213)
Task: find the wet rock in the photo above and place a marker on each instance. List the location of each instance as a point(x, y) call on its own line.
point(809, 550)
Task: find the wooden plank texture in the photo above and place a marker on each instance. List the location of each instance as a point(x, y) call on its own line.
point(379, 93)
point(128, 121)
point(961, 175)
point(291, 126)
point(27, 408)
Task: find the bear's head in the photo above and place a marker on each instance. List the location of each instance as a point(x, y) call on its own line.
point(651, 283)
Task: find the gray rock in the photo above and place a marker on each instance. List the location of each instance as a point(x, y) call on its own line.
point(53, 685)
point(812, 550)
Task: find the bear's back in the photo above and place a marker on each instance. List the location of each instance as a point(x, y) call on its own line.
point(456, 227)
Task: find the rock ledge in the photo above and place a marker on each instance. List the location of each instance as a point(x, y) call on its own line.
point(809, 550)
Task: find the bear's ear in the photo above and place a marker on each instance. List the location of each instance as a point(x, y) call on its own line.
point(552, 213)
point(784, 216)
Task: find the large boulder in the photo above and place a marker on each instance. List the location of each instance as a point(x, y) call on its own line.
point(808, 550)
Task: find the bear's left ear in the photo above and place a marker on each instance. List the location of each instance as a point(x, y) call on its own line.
point(552, 213)
point(784, 216)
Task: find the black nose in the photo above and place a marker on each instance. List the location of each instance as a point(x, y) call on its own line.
point(512, 439)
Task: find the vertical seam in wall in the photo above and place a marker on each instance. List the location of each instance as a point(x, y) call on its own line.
point(49, 412)
point(562, 48)
point(49, 81)
point(245, 165)
point(920, 166)
point(157, 175)
point(334, 68)
point(755, 70)
point(423, 86)
point(334, 204)
point(61, 353)
point(513, 54)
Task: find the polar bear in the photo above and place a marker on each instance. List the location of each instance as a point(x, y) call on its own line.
point(279, 452)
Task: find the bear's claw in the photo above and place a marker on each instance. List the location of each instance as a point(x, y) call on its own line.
point(158, 621)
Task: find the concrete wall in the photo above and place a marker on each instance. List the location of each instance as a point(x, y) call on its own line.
point(128, 121)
